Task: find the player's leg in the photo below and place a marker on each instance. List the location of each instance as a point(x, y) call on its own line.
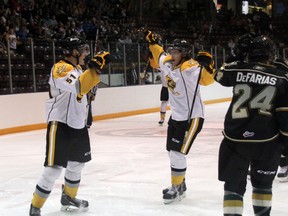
point(179, 141)
point(232, 169)
point(164, 97)
point(283, 169)
point(43, 189)
point(263, 172)
point(79, 145)
point(70, 188)
point(54, 161)
point(162, 112)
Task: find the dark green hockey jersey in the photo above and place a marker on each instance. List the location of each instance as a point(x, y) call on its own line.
point(259, 108)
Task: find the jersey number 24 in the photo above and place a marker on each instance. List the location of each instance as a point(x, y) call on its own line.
point(262, 101)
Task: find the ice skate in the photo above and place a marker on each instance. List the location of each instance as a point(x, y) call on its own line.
point(161, 122)
point(72, 204)
point(283, 174)
point(174, 193)
point(34, 211)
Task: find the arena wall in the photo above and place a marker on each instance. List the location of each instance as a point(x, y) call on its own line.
point(24, 112)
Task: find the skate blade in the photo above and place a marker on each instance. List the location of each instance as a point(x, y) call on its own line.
point(177, 199)
point(69, 208)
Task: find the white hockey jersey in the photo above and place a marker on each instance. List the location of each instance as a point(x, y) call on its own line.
point(64, 104)
point(181, 82)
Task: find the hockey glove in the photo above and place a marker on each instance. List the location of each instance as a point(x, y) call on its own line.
point(206, 60)
point(99, 61)
point(150, 37)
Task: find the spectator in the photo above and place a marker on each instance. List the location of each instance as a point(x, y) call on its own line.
point(11, 39)
point(132, 75)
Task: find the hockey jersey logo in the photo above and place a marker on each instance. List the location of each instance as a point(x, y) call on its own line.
point(171, 84)
point(61, 68)
point(247, 134)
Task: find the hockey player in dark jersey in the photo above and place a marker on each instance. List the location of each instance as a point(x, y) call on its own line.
point(256, 119)
point(239, 53)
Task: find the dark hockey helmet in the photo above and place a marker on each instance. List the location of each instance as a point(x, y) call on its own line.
point(181, 45)
point(77, 43)
point(243, 45)
point(262, 49)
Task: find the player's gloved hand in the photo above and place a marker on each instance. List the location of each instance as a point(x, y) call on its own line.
point(150, 37)
point(99, 61)
point(205, 59)
point(240, 51)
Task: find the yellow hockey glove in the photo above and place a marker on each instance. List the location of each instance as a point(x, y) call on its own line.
point(206, 60)
point(150, 37)
point(99, 61)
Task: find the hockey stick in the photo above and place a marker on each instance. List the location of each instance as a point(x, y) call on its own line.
point(201, 67)
point(94, 89)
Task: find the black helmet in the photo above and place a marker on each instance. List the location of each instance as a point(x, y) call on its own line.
point(262, 49)
point(243, 45)
point(181, 45)
point(72, 43)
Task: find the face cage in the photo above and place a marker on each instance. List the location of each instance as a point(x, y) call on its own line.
point(84, 49)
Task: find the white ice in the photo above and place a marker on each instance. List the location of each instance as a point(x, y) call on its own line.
point(129, 169)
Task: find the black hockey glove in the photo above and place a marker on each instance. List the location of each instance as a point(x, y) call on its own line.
point(150, 37)
point(99, 61)
point(205, 59)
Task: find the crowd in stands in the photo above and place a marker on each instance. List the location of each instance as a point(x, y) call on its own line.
point(116, 21)
point(119, 21)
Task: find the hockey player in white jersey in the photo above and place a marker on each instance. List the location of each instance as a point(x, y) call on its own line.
point(67, 138)
point(183, 75)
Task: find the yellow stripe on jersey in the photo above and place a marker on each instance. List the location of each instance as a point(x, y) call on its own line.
point(61, 69)
point(190, 135)
point(51, 144)
point(88, 80)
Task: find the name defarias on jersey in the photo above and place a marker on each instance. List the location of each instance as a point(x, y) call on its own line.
point(255, 78)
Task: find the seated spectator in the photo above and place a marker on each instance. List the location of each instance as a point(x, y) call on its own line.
point(11, 39)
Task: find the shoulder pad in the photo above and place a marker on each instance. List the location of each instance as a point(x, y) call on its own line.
point(188, 64)
point(61, 69)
